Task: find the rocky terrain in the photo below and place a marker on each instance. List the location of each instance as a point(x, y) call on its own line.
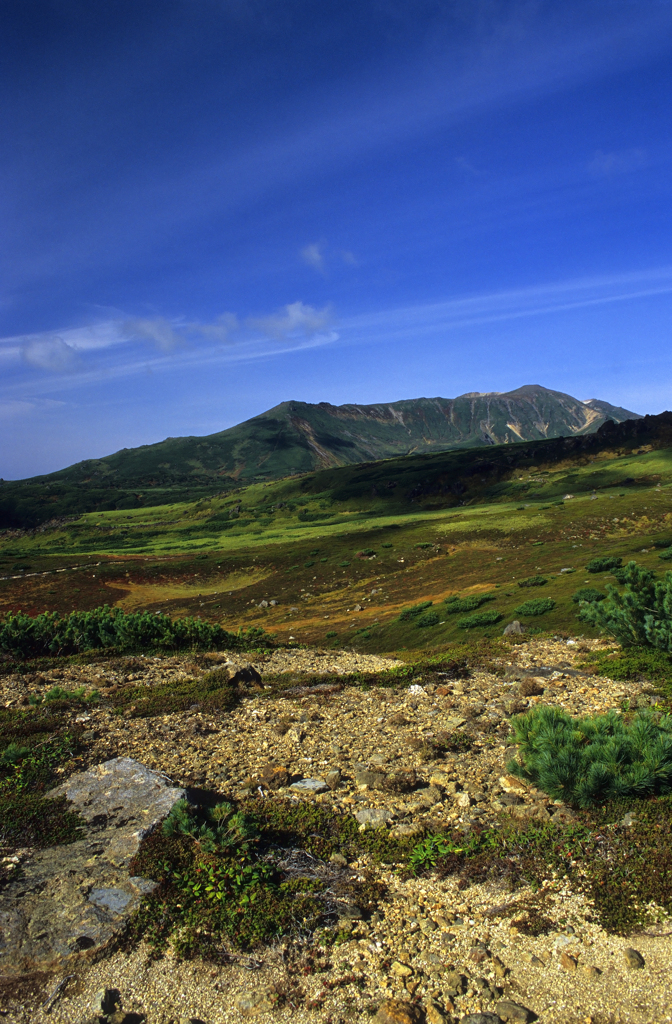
point(434, 950)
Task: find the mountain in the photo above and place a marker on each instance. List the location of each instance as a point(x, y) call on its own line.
point(298, 437)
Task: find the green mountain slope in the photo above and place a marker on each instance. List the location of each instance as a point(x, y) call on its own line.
point(297, 437)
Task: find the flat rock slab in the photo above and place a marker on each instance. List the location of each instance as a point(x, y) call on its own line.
point(73, 900)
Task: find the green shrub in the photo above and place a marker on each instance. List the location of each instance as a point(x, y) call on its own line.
point(588, 760)
point(332, 633)
point(604, 564)
point(308, 565)
point(428, 619)
point(344, 564)
point(386, 545)
point(666, 555)
point(50, 634)
point(587, 594)
point(481, 619)
point(466, 604)
point(641, 616)
point(411, 613)
point(533, 581)
point(537, 606)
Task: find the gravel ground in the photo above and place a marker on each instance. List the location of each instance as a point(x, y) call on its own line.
point(428, 933)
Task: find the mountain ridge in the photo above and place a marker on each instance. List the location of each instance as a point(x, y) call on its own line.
point(298, 437)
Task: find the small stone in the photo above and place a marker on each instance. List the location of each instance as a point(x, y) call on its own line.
point(440, 779)
point(482, 1018)
point(513, 627)
point(255, 1002)
point(454, 983)
point(274, 776)
point(396, 1011)
point(513, 1012)
point(401, 970)
point(510, 784)
point(375, 817)
point(592, 973)
point(333, 779)
point(435, 1015)
point(338, 860)
point(309, 786)
point(634, 958)
point(106, 1000)
point(369, 780)
point(569, 963)
point(427, 925)
point(463, 801)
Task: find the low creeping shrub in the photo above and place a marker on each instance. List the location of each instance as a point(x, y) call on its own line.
point(406, 614)
point(481, 619)
point(49, 633)
point(537, 606)
point(586, 760)
point(533, 581)
point(666, 555)
point(428, 619)
point(604, 563)
point(466, 604)
point(587, 594)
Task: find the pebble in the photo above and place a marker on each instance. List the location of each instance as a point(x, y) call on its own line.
point(634, 958)
point(396, 1011)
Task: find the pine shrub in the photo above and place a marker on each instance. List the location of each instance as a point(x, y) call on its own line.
point(406, 614)
point(50, 634)
point(588, 760)
point(537, 606)
point(666, 555)
point(466, 604)
point(480, 619)
point(533, 581)
point(428, 619)
point(641, 616)
point(604, 564)
point(587, 594)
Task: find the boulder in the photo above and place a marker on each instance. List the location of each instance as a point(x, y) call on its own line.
point(73, 900)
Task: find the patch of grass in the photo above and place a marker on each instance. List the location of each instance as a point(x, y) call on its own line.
point(536, 606)
point(625, 871)
point(213, 691)
point(232, 876)
point(638, 663)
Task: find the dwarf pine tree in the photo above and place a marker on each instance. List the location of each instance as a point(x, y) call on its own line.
point(586, 760)
point(641, 615)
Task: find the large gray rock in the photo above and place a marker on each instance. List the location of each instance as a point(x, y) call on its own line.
point(73, 900)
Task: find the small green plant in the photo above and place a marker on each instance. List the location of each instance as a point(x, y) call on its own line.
point(604, 564)
point(367, 552)
point(406, 614)
point(428, 619)
point(386, 545)
point(480, 619)
point(12, 754)
point(466, 604)
point(666, 555)
point(641, 615)
point(331, 634)
point(344, 564)
point(536, 606)
point(587, 760)
point(533, 581)
point(587, 594)
point(308, 565)
point(222, 829)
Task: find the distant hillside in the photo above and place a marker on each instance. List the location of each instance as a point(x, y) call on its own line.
point(297, 437)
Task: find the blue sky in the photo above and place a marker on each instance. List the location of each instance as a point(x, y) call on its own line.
point(211, 206)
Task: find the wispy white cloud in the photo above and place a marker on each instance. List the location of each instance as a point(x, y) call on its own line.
point(313, 255)
point(622, 162)
point(158, 330)
point(50, 353)
point(294, 318)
